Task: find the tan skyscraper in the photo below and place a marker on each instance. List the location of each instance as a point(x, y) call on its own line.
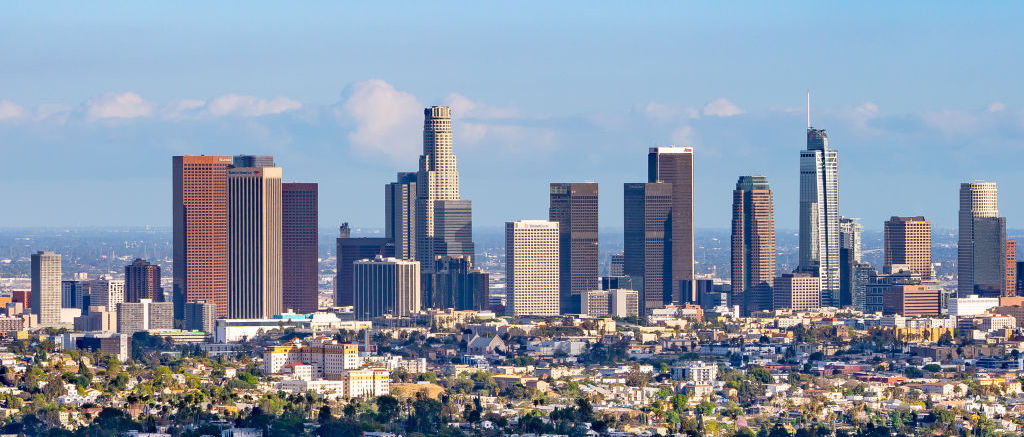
point(254, 242)
point(753, 244)
point(908, 242)
point(674, 166)
point(1010, 289)
point(438, 180)
point(46, 287)
point(981, 247)
point(200, 231)
point(531, 267)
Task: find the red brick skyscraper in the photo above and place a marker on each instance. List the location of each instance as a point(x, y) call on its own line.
point(300, 246)
point(200, 231)
point(142, 281)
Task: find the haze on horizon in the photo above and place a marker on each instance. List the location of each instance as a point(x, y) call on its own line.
point(95, 99)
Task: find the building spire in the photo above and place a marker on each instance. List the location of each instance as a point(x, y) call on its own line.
point(808, 108)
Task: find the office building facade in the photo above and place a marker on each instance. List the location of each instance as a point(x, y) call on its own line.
point(819, 214)
point(574, 207)
point(454, 283)
point(438, 180)
point(299, 243)
point(144, 315)
point(46, 287)
point(531, 268)
point(350, 249)
point(911, 300)
point(798, 291)
point(908, 245)
point(979, 236)
point(647, 222)
point(254, 242)
point(674, 166)
point(386, 286)
point(400, 214)
point(753, 244)
point(142, 281)
point(200, 217)
point(200, 316)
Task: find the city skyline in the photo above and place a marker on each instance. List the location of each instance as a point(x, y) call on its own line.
point(349, 125)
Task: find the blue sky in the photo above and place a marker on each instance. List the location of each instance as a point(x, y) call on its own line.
point(95, 98)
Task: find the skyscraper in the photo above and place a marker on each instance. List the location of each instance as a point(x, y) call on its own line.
point(981, 242)
point(299, 256)
point(455, 284)
point(531, 267)
point(400, 214)
point(386, 286)
point(254, 242)
point(911, 300)
point(437, 180)
point(200, 231)
point(1011, 268)
point(200, 316)
point(107, 293)
point(574, 207)
point(144, 315)
point(453, 228)
point(753, 244)
point(46, 287)
point(646, 225)
point(819, 214)
point(142, 281)
point(349, 250)
point(908, 245)
point(850, 231)
point(674, 166)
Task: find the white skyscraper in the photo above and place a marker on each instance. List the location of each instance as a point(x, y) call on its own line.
point(982, 240)
point(255, 262)
point(437, 180)
point(819, 214)
point(46, 287)
point(531, 267)
point(107, 293)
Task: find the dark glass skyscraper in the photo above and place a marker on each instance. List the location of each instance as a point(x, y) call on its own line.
point(647, 223)
point(455, 284)
point(753, 244)
point(400, 214)
point(674, 166)
point(299, 246)
point(574, 207)
point(349, 250)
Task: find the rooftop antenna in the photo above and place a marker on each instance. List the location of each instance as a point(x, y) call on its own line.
point(808, 108)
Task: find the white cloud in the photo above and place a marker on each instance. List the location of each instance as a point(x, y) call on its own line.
point(866, 110)
point(995, 107)
point(10, 110)
point(666, 112)
point(463, 107)
point(384, 120)
point(117, 105)
point(183, 108)
point(722, 108)
point(683, 136)
point(249, 106)
point(951, 121)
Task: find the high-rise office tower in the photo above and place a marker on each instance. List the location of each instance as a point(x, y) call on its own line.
point(646, 225)
point(46, 287)
point(350, 249)
point(982, 240)
point(299, 246)
point(911, 300)
point(819, 214)
point(531, 267)
point(850, 231)
point(437, 180)
point(386, 286)
point(453, 228)
point(574, 207)
point(799, 291)
point(1020, 277)
point(73, 293)
point(254, 241)
point(1011, 268)
point(200, 209)
point(400, 214)
point(674, 166)
point(142, 281)
point(908, 245)
point(615, 266)
point(454, 283)
point(753, 244)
